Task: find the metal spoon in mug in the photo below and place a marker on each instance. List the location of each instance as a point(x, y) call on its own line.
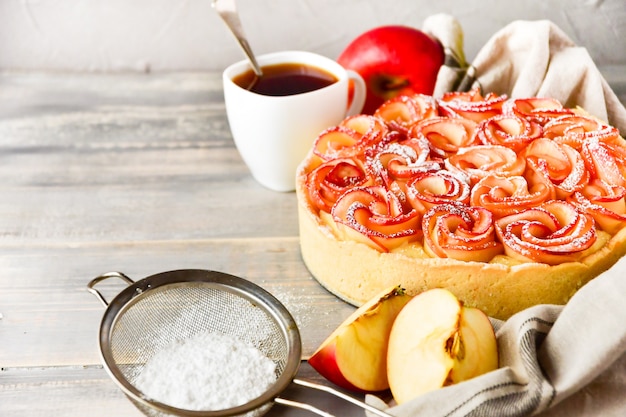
point(227, 9)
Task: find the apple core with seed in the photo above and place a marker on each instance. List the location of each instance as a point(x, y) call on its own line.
point(435, 342)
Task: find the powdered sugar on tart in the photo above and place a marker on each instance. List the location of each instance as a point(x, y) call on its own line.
point(464, 192)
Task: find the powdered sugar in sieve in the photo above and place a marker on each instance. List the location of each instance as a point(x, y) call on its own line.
point(210, 371)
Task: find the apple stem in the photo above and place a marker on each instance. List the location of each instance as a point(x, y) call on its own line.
point(394, 84)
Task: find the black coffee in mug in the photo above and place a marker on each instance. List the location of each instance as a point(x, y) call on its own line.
point(285, 79)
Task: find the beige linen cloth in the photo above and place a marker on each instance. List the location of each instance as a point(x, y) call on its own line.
point(555, 361)
point(528, 59)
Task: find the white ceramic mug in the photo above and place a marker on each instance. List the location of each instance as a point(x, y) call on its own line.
point(274, 133)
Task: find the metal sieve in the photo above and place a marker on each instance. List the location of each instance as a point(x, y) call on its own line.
point(156, 311)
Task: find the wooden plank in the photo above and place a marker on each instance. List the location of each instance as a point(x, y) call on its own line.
point(168, 210)
point(117, 159)
point(48, 317)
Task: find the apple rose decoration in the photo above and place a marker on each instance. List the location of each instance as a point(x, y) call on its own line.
point(432, 188)
point(556, 163)
point(508, 130)
point(352, 137)
point(576, 129)
point(503, 196)
point(536, 109)
point(326, 183)
point(606, 203)
point(605, 161)
point(552, 233)
point(471, 105)
point(402, 161)
point(402, 112)
point(479, 161)
point(445, 135)
point(375, 216)
point(460, 232)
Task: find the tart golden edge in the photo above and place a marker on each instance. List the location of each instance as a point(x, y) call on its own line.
point(498, 289)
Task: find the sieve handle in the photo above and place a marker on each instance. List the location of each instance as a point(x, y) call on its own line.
point(103, 277)
point(302, 406)
point(337, 394)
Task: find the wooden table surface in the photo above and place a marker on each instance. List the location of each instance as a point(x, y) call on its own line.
point(133, 173)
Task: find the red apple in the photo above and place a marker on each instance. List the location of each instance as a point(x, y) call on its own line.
point(394, 60)
point(354, 355)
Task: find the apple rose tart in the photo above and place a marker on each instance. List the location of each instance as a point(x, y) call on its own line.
point(507, 203)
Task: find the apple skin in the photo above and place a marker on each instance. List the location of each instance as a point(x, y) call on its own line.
point(354, 356)
point(394, 60)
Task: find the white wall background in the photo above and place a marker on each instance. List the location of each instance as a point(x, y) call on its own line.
point(164, 35)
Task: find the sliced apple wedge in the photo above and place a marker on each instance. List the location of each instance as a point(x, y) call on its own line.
point(354, 355)
point(419, 356)
point(434, 342)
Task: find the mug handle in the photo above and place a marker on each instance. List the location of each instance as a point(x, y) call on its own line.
point(358, 93)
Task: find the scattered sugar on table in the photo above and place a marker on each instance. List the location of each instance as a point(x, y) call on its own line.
point(210, 371)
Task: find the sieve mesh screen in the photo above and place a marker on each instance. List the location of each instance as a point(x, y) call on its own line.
point(175, 312)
